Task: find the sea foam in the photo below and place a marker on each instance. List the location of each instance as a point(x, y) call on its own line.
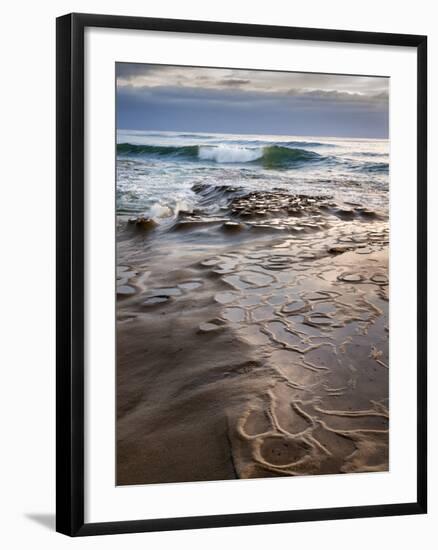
point(230, 153)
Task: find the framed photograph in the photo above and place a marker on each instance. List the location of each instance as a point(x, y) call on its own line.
point(241, 274)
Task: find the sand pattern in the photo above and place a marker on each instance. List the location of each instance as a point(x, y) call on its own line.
point(306, 332)
point(269, 358)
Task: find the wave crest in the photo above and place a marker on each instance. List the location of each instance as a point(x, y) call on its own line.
point(273, 156)
point(278, 156)
point(230, 153)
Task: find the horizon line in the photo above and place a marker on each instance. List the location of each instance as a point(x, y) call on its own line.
point(253, 134)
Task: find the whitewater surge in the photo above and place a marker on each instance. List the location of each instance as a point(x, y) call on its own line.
point(156, 171)
point(165, 212)
point(230, 153)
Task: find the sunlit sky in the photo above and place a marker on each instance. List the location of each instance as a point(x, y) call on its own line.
point(195, 99)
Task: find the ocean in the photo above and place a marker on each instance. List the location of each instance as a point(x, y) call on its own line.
point(159, 173)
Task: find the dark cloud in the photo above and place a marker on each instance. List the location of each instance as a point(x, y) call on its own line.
point(129, 71)
point(329, 86)
point(304, 98)
point(233, 82)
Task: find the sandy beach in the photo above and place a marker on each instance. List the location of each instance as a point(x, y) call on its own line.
point(252, 342)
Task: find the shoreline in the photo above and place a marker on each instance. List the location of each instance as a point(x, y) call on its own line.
point(253, 353)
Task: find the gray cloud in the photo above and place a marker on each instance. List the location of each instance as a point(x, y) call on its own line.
point(233, 82)
point(156, 97)
point(128, 71)
point(321, 86)
point(239, 95)
point(337, 95)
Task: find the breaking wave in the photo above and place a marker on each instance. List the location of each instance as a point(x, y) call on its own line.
point(273, 156)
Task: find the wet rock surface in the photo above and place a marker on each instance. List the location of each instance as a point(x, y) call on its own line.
point(260, 357)
point(232, 211)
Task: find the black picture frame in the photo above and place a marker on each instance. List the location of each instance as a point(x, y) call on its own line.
point(70, 273)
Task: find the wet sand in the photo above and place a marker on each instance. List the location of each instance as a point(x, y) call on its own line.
point(253, 343)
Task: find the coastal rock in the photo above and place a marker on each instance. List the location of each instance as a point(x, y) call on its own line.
point(233, 226)
point(143, 222)
point(370, 214)
point(339, 249)
point(345, 213)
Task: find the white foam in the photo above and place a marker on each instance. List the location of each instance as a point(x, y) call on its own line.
point(183, 204)
point(159, 211)
point(230, 153)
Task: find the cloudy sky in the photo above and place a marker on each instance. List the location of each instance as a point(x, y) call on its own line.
point(194, 99)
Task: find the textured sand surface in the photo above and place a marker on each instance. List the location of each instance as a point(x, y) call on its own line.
point(253, 345)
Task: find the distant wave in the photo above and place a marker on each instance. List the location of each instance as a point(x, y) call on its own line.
point(299, 144)
point(186, 151)
point(284, 156)
point(374, 167)
point(369, 154)
point(271, 156)
point(306, 144)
